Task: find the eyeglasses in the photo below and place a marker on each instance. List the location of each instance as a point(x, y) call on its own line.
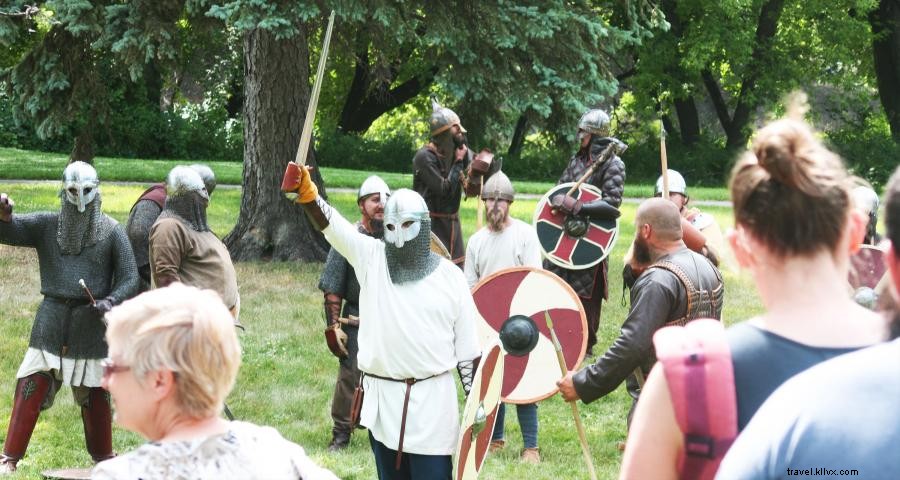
point(110, 367)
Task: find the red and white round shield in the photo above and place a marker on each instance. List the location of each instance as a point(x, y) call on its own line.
point(532, 292)
point(560, 245)
point(480, 414)
point(867, 266)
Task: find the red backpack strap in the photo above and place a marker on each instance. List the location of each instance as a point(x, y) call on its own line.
point(156, 194)
point(697, 364)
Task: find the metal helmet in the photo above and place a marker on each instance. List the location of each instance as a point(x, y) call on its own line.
point(372, 185)
point(865, 199)
point(404, 206)
point(595, 122)
point(80, 184)
point(206, 173)
point(442, 119)
point(182, 180)
point(676, 184)
point(519, 335)
point(498, 186)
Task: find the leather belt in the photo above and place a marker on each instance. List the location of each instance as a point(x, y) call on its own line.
point(453, 216)
point(409, 383)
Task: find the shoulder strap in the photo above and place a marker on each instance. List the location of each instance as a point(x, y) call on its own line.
point(683, 277)
point(697, 364)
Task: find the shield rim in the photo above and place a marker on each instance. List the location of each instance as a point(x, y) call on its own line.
point(489, 427)
point(865, 246)
point(582, 353)
point(557, 261)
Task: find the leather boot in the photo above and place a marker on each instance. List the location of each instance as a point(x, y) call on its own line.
point(97, 419)
point(30, 394)
point(340, 439)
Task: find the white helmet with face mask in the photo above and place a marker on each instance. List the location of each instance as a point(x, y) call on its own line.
point(80, 184)
point(407, 237)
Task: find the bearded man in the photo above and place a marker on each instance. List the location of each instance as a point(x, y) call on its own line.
point(67, 341)
point(505, 242)
point(143, 215)
point(591, 283)
point(184, 249)
point(419, 323)
point(679, 286)
point(341, 288)
point(445, 168)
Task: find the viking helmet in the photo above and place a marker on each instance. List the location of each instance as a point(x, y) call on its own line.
point(442, 119)
point(519, 335)
point(595, 122)
point(865, 199)
point(206, 173)
point(372, 185)
point(403, 216)
point(80, 184)
point(498, 186)
point(676, 184)
point(187, 198)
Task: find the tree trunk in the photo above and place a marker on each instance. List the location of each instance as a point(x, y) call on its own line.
point(269, 226)
point(688, 120)
point(518, 138)
point(885, 21)
point(83, 149)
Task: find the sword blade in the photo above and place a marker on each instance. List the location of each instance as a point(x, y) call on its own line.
point(306, 135)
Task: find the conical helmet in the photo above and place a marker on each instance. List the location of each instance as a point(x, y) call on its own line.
point(442, 119)
point(498, 186)
point(595, 122)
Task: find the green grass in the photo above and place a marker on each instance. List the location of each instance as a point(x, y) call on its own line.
point(32, 165)
point(287, 376)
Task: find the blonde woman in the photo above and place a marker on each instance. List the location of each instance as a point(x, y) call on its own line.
point(794, 232)
point(173, 358)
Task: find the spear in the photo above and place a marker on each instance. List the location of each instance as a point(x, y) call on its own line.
point(664, 160)
point(575, 415)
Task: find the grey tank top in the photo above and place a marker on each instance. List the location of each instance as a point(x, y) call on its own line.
point(763, 361)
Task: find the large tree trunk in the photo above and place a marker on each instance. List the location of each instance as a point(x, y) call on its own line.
point(83, 149)
point(271, 227)
point(688, 120)
point(885, 21)
point(518, 138)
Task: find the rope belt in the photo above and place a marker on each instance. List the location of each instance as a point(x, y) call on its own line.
point(409, 383)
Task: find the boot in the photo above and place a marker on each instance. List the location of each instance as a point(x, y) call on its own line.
point(340, 439)
point(97, 419)
point(30, 394)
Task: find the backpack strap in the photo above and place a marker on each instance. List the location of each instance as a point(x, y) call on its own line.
point(697, 364)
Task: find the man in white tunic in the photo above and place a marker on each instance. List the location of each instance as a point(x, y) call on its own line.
point(420, 324)
point(505, 242)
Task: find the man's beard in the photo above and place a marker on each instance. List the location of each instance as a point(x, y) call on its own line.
point(642, 251)
point(376, 228)
point(459, 140)
point(496, 219)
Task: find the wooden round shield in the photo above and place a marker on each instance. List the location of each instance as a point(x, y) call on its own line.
point(67, 474)
point(867, 267)
point(480, 414)
point(531, 292)
point(559, 245)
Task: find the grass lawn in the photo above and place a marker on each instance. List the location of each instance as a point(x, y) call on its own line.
point(32, 165)
point(287, 375)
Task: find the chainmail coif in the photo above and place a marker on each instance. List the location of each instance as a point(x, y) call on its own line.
point(76, 230)
point(415, 260)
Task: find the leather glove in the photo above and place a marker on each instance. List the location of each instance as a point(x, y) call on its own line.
point(472, 185)
point(103, 305)
point(297, 181)
point(336, 340)
point(6, 208)
point(566, 204)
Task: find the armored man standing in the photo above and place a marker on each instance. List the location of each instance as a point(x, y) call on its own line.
point(418, 325)
point(67, 340)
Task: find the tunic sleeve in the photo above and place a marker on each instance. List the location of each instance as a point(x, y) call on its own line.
point(650, 305)
point(25, 230)
point(125, 280)
point(531, 248)
point(465, 333)
point(471, 267)
point(356, 247)
point(168, 245)
point(426, 168)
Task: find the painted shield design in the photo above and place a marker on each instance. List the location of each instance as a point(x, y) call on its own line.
point(867, 267)
point(480, 414)
point(558, 243)
point(531, 292)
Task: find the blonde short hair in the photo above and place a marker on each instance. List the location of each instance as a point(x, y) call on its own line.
point(187, 331)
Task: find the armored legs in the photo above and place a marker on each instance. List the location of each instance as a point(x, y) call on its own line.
point(31, 392)
point(35, 393)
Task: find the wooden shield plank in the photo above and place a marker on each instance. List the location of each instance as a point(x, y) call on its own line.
point(568, 251)
point(530, 292)
point(472, 447)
